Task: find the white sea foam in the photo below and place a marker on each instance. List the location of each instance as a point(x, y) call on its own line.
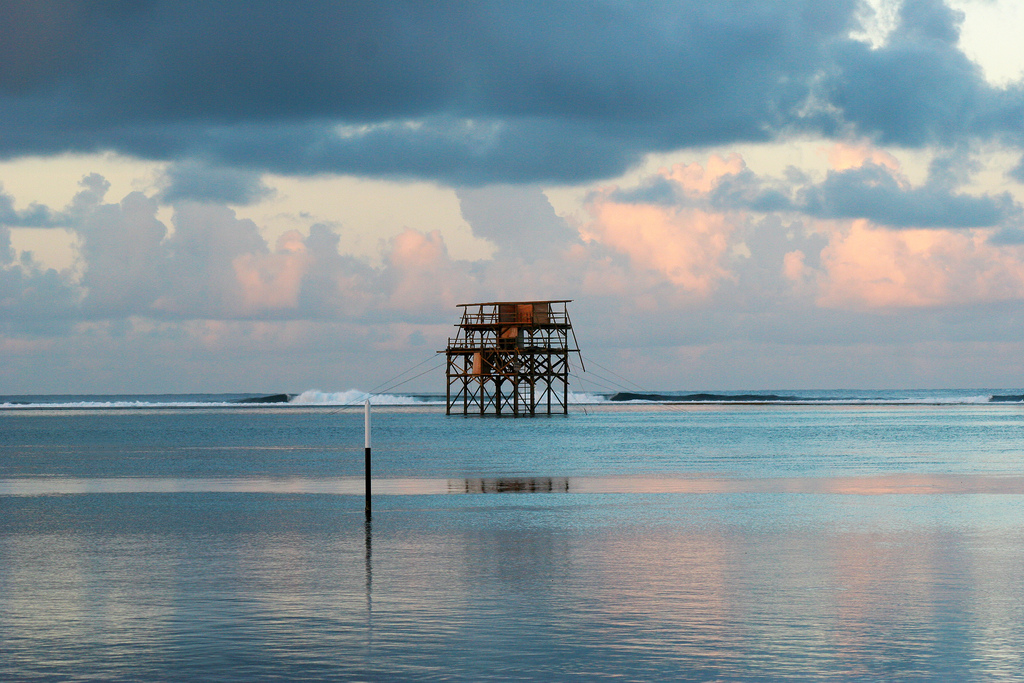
point(315, 397)
point(112, 405)
point(578, 397)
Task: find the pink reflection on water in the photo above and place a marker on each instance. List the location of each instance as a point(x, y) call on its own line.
point(870, 485)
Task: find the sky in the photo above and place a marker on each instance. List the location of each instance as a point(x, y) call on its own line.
point(270, 197)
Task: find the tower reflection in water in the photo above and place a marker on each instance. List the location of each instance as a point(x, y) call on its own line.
point(511, 485)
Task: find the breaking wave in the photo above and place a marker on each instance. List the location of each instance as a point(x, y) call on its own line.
point(582, 397)
point(315, 397)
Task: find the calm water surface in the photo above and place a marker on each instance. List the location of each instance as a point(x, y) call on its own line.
point(632, 542)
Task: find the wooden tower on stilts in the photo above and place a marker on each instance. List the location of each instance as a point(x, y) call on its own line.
point(511, 357)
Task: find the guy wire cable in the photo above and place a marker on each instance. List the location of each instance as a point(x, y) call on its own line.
point(615, 373)
point(677, 407)
point(383, 386)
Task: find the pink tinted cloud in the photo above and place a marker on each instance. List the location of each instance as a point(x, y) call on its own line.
point(421, 274)
point(793, 267)
point(844, 156)
point(864, 266)
point(695, 179)
point(272, 281)
point(687, 246)
point(418, 274)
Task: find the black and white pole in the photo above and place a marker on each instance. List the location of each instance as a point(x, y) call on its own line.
point(366, 420)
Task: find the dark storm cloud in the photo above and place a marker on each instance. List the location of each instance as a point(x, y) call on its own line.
point(190, 181)
point(748, 191)
point(872, 192)
point(366, 62)
point(1010, 236)
point(474, 92)
point(920, 88)
point(498, 91)
point(652, 190)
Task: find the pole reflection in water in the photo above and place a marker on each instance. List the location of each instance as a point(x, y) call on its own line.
point(368, 539)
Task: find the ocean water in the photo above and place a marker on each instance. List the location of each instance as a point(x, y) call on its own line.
point(835, 535)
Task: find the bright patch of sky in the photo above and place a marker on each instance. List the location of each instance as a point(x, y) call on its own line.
point(366, 213)
point(991, 37)
point(990, 34)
